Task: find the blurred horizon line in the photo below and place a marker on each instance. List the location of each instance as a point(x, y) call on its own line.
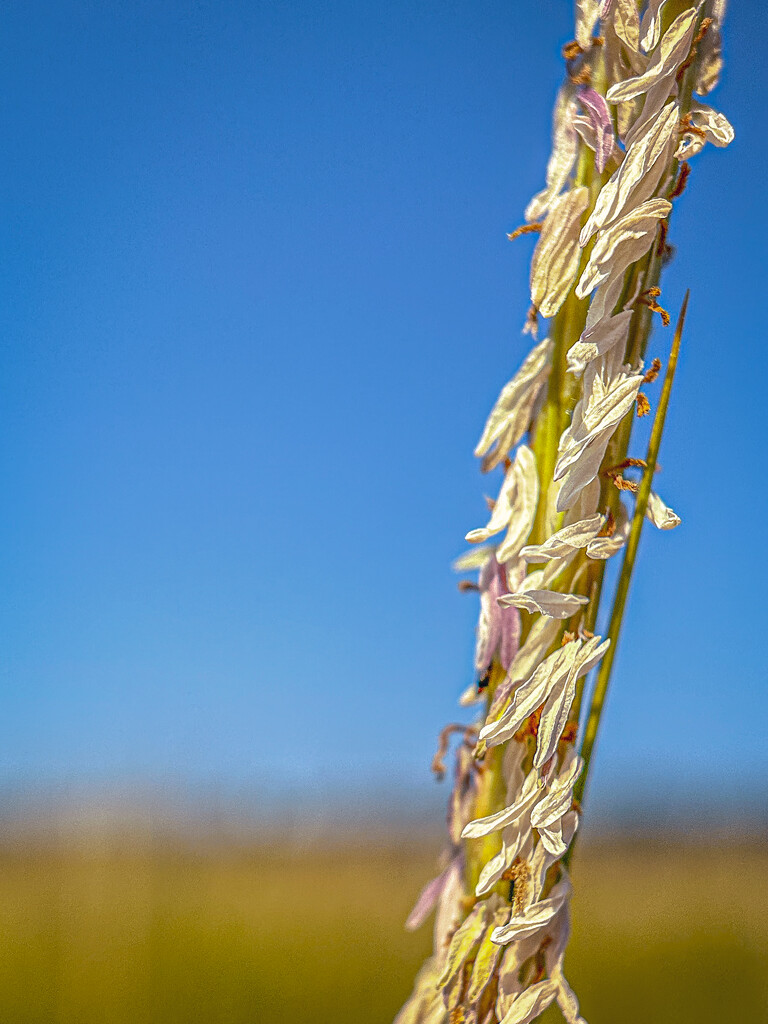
point(261, 809)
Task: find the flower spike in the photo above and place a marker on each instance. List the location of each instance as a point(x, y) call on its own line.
point(572, 495)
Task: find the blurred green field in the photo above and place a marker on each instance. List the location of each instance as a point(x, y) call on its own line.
point(150, 931)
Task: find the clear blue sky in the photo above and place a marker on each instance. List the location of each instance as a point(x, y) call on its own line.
point(257, 300)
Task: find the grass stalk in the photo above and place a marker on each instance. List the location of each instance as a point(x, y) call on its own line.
point(617, 613)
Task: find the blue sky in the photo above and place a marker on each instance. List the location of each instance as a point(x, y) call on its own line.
point(257, 300)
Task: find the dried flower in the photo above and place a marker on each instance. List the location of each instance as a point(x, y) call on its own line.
point(599, 118)
point(562, 427)
point(555, 261)
point(511, 415)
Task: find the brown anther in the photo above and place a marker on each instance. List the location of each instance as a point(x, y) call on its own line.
point(656, 308)
point(537, 968)
point(648, 297)
point(569, 732)
point(643, 405)
point(629, 463)
point(572, 50)
point(598, 40)
point(609, 528)
point(662, 246)
point(507, 464)
point(443, 742)
point(587, 634)
point(622, 484)
point(467, 586)
point(532, 319)
point(694, 45)
point(652, 372)
point(490, 502)
point(682, 180)
point(568, 638)
point(530, 726)
point(546, 768)
point(438, 762)
point(525, 229)
point(539, 964)
point(705, 25)
point(511, 873)
point(539, 973)
point(688, 127)
point(683, 68)
point(576, 806)
point(583, 77)
point(533, 722)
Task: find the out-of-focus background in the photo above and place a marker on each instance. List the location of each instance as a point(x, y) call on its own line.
point(257, 300)
point(131, 926)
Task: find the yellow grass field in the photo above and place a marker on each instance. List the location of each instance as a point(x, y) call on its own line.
point(130, 930)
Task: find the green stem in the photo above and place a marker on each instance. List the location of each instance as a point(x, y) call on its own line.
point(622, 589)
